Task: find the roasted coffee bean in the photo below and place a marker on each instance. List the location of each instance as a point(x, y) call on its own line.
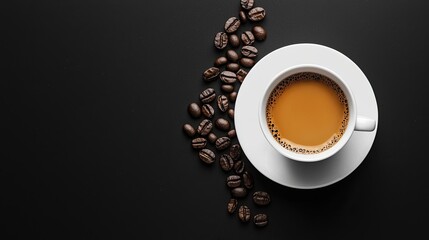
point(207, 156)
point(211, 73)
point(247, 38)
point(247, 180)
point(235, 152)
point(244, 213)
point(241, 74)
point(212, 137)
point(199, 143)
point(247, 4)
point(233, 96)
point(233, 67)
point(247, 62)
point(205, 127)
point(239, 192)
point(189, 130)
point(231, 113)
point(220, 61)
point(228, 77)
point(234, 40)
point(261, 198)
point(233, 181)
point(260, 220)
point(259, 33)
point(232, 55)
point(232, 205)
point(207, 110)
point(227, 88)
point(194, 110)
point(222, 143)
point(256, 14)
point(226, 162)
point(222, 124)
point(221, 40)
point(207, 95)
point(222, 103)
point(243, 17)
point(239, 167)
point(232, 134)
point(232, 24)
point(249, 51)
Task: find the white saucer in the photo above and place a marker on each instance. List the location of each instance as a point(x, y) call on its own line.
point(262, 155)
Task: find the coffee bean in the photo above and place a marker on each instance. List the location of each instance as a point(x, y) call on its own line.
point(239, 167)
point(241, 74)
point(207, 156)
point(220, 61)
point(222, 143)
point(234, 40)
point(261, 198)
point(232, 205)
point(211, 73)
point(232, 55)
point(247, 180)
point(231, 113)
point(260, 220)
point(256, 14)
point(226, 162)
point(243, 17)
point(235, 152)
point(249, 51)
point(244, 213)
point(231, 134)
point(189, 130)
point(232, 24)
point(233, 67)
point(205, 127)
point(228, 77)
point(233, 96)
point(212, 137)
point(247, 4)
point(207, 110)
point(220, 40)
point(222, 103)
point(194, 110)
point(233, 181)
point(239, 192)
point(259, 33)
point(199, 143)
point(222, 124)
point(227, 88)
point(247, 38)
point(207, 95)
point(247, 62)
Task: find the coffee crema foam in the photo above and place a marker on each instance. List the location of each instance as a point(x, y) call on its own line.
point(279, 90)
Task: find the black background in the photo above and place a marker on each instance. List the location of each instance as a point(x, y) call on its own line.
point(94, 94)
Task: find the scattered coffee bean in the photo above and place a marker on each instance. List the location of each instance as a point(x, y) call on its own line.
point(189, 130)
point(235, 152)
point(228, 77)
point(220, 61)
point(247, 38)
point(231, 113)
point(241, 74)
point(227, 88)
point(260, 220)
point(249, 51)
point(239, 192)
point(220, 40)
point(212, 137)
point(232, 205)
point(207, 110)
point(234, 40)
point(261, 198)
point(232, 24)
point(232, 55)
point(222, 124)
point(233, 96)
point(207, 156)
point(194, 110)
point(226, 162)
point(205, 127)
point(244, 213)
point(256, 14)
point(233, 67)
point(243, 17)
point(232, 134)
point(247, 62)
point(239, 167)
point(199, 143)
point(207, 95)
point(211, 73)
point(222, 103)
point(247, 4)
point(247, 180)
point(233, 181)
point(222, 143)
point(259, 33)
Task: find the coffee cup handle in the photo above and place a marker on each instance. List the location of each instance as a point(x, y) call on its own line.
point(364, 124)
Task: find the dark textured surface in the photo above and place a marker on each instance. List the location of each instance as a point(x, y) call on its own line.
point(93, 96)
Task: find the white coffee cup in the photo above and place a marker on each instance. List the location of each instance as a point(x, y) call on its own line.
point(355, 122)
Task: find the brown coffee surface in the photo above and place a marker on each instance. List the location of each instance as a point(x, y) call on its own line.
point(307, 113)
